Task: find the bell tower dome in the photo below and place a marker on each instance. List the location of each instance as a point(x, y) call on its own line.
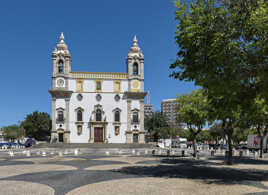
point(61, 61)
point(135, 67)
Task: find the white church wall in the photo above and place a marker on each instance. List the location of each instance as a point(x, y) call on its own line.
point(108, 104)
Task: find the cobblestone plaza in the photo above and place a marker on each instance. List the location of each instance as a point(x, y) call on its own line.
point(133, 171)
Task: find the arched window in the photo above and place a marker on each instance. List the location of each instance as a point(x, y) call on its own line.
point(60, 66)
point(79, 115)
point(135, 117)
point(117, 116)
point(60, 115)
point(135, 69)
point(79, 129)
point(98, 115)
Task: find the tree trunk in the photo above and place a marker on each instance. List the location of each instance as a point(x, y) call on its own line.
point(194, 147)
point(230, 148)
point(261, 145)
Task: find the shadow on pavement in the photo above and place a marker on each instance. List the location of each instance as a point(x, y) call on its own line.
point(208, 172)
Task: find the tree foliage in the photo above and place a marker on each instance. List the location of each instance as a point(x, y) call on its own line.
point(37, 125)
point(223, 48)
point(158, 126)
point(13, 132)
point(193, 111)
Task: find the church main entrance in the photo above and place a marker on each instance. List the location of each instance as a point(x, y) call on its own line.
point(135, 138)
point(60, 137)
point(98, 134)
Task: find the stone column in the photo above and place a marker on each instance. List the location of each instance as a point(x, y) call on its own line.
point(128, 131)
point(105, 134)
point(128, 115)
point(53, 131)
point(67, 123)
point(91, 127)
point(141, 135)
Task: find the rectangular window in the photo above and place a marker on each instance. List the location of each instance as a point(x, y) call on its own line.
point(79, 85)
point(98, 85)
point(116, 130)
point(117, 86)
point(135, 117)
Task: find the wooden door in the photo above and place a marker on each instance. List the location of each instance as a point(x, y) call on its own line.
point(60, 137)
point(135, 138)
point(98, 134)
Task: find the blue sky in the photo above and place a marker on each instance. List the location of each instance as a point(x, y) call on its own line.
point(98, 34)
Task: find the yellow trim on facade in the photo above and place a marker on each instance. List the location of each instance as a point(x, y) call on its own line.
point(98, 75)
point(97, 90)
point(115, 88)
point(81, 87)
point(135, 90)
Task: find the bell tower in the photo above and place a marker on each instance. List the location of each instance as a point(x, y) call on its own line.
point(135, 95)
point(61, 68)
point(135, 68)
point(61, 61)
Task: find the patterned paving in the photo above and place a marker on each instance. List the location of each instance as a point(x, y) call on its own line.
point(97, 174)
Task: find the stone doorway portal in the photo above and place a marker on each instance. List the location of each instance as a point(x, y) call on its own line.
point(98, 134)
point(60, 137)
point(135, 138)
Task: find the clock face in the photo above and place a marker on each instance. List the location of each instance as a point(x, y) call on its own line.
point(135, 84)
point(60, 82)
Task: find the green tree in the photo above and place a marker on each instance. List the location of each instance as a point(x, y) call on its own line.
point(154, 123)
point(37, 125)
point(223, 48)
point(193, 111)
point(257, 118)
point(217, 132)
point(13, 132)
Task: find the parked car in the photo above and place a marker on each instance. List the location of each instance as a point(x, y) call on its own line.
point(4, 145)
point(29, 143)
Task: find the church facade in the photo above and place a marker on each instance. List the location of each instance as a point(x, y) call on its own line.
point(90, 107)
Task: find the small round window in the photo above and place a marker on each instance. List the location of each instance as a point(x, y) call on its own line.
point(79, 97)
point(98, 97)
point(117, 97)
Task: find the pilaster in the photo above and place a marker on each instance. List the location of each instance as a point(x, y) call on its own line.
point(128, 115)
point(67, 105)
point(53, 131)
point(91, 128)
point(141, 135)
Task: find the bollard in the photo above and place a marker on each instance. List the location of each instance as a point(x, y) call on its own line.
point(226, 153)
point(138, 153)
point(28, 153)
point(11, 153)
point(133, 151)
point(107, 153)
point(212, 152)
point(168, 152)
point(197, 155)
point(44, 153)
point(173, 152)
point(60, 153)
point(182, 153)
point(76, 152)
point(146, 152)
point(240, 153)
